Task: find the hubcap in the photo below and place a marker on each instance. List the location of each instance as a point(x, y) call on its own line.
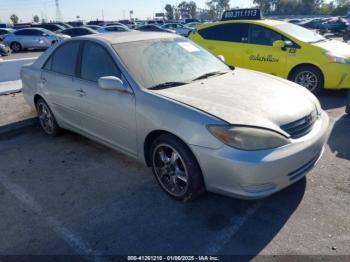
point(170, 170)
point(307, 79)
point(45, 118)
point(16, 47)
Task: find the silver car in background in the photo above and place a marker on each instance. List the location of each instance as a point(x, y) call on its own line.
point(173, 106)
point(32, 38)
point(178, 28)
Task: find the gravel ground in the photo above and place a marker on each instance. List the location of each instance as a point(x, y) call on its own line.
point(13, 108)
point(69, 195)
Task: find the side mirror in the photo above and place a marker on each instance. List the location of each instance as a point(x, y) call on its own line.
point(222, 58)
point(279, 44)
point(112, 83)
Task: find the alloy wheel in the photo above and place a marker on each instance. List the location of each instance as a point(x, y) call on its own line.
point(307, 79)
point(45, 118)
point(170, 170)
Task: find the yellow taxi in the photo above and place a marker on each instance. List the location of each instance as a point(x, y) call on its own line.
point(280, 48)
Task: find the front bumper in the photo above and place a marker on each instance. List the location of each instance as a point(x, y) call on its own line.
point(257, 174)
point(337, 76)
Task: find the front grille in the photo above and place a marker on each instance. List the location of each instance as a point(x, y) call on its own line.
point(301, 127)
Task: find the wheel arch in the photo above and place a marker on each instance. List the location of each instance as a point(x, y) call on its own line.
point(152, 137)
point(36, 98)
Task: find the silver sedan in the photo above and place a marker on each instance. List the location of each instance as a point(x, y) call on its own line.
point(171, 105)
point(34, 38)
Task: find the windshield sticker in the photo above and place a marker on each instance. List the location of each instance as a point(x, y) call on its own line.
point(188, 47)
point(268, 58)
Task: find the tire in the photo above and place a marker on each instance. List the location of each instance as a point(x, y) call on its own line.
point(310, 77)
point(46, 118)
point(16, 47)
point(176, 169)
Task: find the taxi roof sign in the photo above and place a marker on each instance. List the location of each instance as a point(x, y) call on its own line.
point(242, 14)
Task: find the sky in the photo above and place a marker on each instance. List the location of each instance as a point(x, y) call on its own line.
point(91, 9)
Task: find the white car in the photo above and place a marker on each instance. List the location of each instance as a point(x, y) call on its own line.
point(178, 28)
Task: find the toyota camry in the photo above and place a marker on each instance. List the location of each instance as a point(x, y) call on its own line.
point(165, 101)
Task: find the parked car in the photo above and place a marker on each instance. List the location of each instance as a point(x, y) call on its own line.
point(78, 31)
point(278, 48)
point(75, 23)
point(115, 23)
point(153, 28)
point(185, 113)
point(33, 38)
point(4, 32)
point(94, 27)
point(5, 25)
point(4, 50)
point(96, 22)
point(178, 28)
point(192, 25)
point(334, 25)
point(65, 25)
point(51, 27)
point(113, 29)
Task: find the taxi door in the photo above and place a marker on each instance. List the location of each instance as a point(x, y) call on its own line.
point(260, 54)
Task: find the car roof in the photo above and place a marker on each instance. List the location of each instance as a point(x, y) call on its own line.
point(134, 36)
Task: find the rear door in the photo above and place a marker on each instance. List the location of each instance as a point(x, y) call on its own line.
point(57, 82)
point(228, 40)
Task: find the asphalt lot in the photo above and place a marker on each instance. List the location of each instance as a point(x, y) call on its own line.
point(69, 195)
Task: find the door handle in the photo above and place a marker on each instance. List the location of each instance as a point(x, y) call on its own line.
point(43, 80)
point(81, 92)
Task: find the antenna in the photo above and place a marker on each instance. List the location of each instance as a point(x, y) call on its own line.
point(58, 11)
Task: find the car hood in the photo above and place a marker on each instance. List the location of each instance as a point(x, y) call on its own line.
point(245, 97)
point(335, 47)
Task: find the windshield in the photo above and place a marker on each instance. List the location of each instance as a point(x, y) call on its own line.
point(155, 62)
point(300, 33)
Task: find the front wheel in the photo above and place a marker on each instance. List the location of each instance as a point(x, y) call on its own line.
point(309, 77)
point(176, 169)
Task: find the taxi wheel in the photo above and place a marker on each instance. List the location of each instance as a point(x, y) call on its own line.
point(309, 77)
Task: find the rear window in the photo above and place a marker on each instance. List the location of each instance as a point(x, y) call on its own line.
point(232, 32)
point(64, 59)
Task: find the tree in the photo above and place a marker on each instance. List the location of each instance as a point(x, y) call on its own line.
point(217, 7)
point(266, 6)
point(169, 12)
point(36, 19)
point(187, 9)
point(14, 18)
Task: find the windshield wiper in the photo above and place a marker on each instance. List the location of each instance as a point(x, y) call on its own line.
point(207, 75)
point(318, 41)
point(167, 85)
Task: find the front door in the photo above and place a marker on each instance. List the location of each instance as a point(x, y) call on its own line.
point(259, 53)
point(108, 115)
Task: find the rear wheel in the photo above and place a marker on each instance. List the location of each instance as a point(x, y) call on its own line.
point(16, 47)
point(176, 169)
point(309, 77)
point(47, 119)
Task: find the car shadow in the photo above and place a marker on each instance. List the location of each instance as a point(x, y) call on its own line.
point(339, 141)
point(334, 99)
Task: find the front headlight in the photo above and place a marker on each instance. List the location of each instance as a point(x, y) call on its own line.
point(248, 138)
point(334, 58)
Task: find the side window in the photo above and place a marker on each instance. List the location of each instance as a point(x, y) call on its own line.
point(263, 36)
point(97, 62)
point(48, 64)
point(22, 32)
point(232, 32)
point(64, 58)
